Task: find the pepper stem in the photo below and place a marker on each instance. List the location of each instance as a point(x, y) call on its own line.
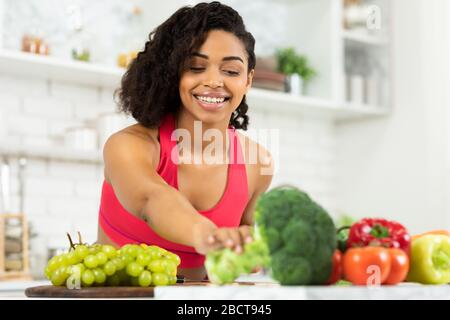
point(441, 260)
point(379, 231)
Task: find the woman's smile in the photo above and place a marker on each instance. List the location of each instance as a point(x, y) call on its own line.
point(211, 101)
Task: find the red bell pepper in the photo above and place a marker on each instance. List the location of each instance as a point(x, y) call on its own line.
point(336, 273)
point(379, 232)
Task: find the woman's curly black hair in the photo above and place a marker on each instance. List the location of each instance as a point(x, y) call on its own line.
point(150, 87)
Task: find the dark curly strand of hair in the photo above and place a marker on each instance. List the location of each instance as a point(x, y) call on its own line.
point(149, 88)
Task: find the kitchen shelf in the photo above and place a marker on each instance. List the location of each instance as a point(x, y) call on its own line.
point(48, 67)
point(364, 38)
point(50, 153)
point(27, 64)
point(360, 111)
point(285, 103)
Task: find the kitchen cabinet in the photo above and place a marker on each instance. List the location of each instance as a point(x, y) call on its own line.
point(316, 29)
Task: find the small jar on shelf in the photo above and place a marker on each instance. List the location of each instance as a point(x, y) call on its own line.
point(34, 42)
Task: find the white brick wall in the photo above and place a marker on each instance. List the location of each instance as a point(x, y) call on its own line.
point(306, 153)
point(27, 125)
point(59, 197)
point(63, 197)
point(74, 92)
point(48, 108)
point(24, 86)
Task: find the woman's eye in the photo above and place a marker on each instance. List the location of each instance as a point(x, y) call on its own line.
point(195, 69)
point(232, 73)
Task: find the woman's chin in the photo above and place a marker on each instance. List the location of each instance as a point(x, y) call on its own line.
point(211, 118)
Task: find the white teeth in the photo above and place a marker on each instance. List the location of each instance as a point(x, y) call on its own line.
point(210, 100)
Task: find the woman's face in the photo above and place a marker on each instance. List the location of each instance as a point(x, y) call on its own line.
point(216, 78)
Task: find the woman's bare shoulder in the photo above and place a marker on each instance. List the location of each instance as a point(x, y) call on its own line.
point(132, 142)
point(132, 137)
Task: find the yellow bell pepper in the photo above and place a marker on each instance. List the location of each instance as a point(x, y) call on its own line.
point(430, 260)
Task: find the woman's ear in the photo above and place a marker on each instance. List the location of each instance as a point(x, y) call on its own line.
point(249, 80)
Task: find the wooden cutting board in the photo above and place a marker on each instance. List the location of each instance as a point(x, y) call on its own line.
point(94, 292)
point(103, 292)
point(97, 292)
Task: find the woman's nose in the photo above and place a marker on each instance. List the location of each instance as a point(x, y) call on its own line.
point(215, 84)
point(214, 79)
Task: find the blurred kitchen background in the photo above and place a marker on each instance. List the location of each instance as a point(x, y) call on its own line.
point(358, 89)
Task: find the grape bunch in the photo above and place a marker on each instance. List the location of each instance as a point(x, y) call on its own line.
point(103, 265)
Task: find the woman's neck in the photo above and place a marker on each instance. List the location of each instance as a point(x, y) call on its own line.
point(199, 142)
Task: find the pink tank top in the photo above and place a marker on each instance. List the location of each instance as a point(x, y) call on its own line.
point(122, 227)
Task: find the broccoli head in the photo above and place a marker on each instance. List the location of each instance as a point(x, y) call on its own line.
point(294, 237)
point(300, 235)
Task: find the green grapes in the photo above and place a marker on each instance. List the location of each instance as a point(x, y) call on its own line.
point(109, 268)
point(81, 251)
point(99, 275)
point(87, 277)
point(143, 259)
point(102, 258)
point(91, 261)
point(118, 263)
point(59, 276)
point(113, 281)
point(156, 266)
point(103, 265)
point(145, 279)
point(160, 279)
point(110, 251)
point(134, 269)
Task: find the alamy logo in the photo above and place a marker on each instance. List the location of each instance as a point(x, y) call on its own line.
point(191, 150)
point(374, 280)
point(74, 281)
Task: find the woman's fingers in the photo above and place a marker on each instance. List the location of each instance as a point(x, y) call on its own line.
point(233, 238)
point(225, 237)
point(246, 234)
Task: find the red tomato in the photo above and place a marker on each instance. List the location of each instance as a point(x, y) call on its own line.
point(367, 265)
point(399, 266)
point(336, 273)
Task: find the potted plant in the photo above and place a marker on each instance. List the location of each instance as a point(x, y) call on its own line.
point(296, 67)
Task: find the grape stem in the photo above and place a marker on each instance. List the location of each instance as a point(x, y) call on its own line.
point(79, 238)
point(70, 240)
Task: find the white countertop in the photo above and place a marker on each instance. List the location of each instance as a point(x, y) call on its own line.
point(264, 289)
point(16, 289)
point(276, 292)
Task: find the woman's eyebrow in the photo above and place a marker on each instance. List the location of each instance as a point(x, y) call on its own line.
point(204, 56)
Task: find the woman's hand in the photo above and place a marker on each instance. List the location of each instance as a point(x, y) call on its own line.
point(210, 239)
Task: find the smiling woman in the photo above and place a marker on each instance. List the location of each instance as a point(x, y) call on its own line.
point(216, 78)
point(196, 69)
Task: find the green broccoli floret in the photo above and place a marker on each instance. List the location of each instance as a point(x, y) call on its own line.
point(224, 266)
point(294, 236)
